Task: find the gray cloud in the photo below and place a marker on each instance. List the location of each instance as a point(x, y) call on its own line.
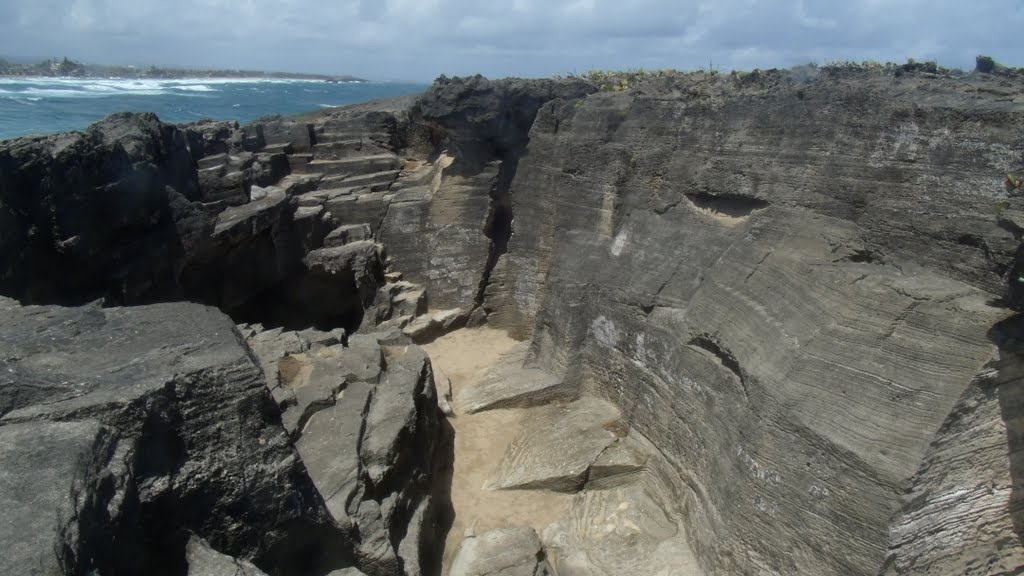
point(420, 39)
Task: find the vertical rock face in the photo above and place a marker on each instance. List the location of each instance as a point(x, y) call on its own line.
point(434, 227)
point(790, 285)
point(963, 510)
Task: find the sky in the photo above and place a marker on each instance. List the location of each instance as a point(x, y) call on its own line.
point(417, 40)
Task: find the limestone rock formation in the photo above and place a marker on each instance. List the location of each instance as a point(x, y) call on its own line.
point(788, 302)
point(365, 420)
point(557, 445)
point(123, 427)
point(501, 552)
point(512, 384)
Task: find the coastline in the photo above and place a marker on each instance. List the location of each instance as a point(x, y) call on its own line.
point(45, 105)
point(221, 78)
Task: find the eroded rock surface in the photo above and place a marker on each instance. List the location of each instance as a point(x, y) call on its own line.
point(795, 290)
point(129, 426)
point(557, 444)
point(513, 384)
point(501, 552)
point(365, 419)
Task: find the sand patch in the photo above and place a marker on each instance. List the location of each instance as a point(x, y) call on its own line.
point(480, 444)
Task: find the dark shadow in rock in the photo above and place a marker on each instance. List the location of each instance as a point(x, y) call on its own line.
point(309, 301)
point(444, 513)
point(732, 206)
point(307, 549)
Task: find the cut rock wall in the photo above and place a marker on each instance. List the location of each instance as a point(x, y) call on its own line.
point(787, 287)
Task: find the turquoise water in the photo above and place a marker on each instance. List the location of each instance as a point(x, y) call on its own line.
point(46, 105)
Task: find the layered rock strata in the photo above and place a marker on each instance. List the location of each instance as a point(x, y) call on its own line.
point(796, 289)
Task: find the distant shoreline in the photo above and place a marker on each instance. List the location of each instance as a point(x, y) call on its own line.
point(197, 78)
point(71, 69)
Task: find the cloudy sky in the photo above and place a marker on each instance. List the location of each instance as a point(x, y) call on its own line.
point(420, 39)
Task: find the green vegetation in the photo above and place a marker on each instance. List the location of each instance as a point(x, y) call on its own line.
point(623, 80)
point(620, 80)
point(988, 65)
point(1000, 208)
point(985, 64)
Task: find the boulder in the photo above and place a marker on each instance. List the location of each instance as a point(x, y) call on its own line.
point(367, 427)
point(557, 444)
point(510, 384)
point(348, 233)
point(172, 429)
point(434, 324)
point(501, 552)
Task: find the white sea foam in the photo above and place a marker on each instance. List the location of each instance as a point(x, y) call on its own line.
point(100, 87)
point(196, 88)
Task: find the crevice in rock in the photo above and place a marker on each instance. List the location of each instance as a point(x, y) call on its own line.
point(863, 256)
point(498, 226)
point(734, 206)
point(710, 344)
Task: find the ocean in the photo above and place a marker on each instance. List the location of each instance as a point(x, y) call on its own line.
point(48, 105)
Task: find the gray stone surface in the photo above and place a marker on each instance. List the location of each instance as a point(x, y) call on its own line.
point(329, 447)
point(190, 440)
point(47, 472)
point(203, 560)
point(793, 281)
point(628, 520)
point(366, 423)
point(347, 572)
point(501, 552)
point(510, 384)
point(962, 512)
point(433, 324)
point(557, 444)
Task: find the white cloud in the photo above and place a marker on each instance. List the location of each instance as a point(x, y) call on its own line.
point(420, 39)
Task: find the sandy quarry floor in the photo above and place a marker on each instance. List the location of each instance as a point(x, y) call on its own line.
point(480, 443)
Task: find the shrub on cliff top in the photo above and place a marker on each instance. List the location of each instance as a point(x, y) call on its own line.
point(985, 64)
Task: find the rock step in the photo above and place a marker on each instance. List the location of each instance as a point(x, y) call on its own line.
point(348, 233)
point(557, 444)
point(376, 182)
point(430, 326)
point(400, 300)
point(296, 162)
point(510, 383)
point(215, 161)
point(369, 207)
point(259, 214)
point(354, 166)
point(339, 148)
point(281, 148)
point(296, 184)
point(320, 196)
point(357, 134)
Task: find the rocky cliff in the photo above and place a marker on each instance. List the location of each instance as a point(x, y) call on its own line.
point(790, 296)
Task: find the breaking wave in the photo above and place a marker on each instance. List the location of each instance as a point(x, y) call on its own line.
point(41, 105)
